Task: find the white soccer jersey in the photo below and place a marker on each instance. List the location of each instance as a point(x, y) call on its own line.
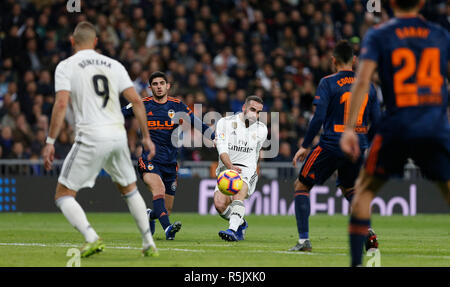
point(241, 143)
point(95, 83)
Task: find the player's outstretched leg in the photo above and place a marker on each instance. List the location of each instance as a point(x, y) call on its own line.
point(159, 212)
point(232, 209)
point(365, 190)
point(137, 209)
point(172, 229)
point(222, 204)
point(65, 201)
point(156, 186)
point(240, 233)
point(228, 235)
point(302, 212)
point(372, 239)
point(236, 220)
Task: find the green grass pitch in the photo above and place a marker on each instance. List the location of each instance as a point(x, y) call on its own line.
point(42, 239)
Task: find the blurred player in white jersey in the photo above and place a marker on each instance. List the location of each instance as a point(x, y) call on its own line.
point(93, 83)
point(239, 139)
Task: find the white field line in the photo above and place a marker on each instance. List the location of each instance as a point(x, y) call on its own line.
point(108, 246)
point(76, 246)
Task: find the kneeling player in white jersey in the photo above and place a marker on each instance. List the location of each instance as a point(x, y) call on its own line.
point(93, 83)
point(239, 139)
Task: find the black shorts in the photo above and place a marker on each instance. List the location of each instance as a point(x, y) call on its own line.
point(321, 163)
point(168, 173)
point(389, 153)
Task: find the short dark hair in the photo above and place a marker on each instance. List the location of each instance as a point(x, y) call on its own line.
point(157, 74)
point(254, 98)
point(343, 52)
point(407, 5)
point(84, 32)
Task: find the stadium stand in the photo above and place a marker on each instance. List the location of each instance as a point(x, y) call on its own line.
point(214, 51)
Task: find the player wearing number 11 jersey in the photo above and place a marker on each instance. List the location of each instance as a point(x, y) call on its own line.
point(412, 56)
point(332, 107)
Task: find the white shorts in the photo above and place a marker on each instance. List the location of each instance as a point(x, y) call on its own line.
point(249, 176)
point(84, 162)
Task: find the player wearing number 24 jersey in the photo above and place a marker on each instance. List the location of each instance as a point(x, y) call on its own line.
point(412, 57)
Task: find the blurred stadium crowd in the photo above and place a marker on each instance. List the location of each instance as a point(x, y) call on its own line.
point(215, 52)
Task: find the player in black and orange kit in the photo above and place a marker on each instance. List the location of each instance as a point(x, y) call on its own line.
point(412, 58)
point(160, 175)
point(332, 107)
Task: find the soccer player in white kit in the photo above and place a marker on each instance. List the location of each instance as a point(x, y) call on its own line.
point(239, 139)
point(93, 83)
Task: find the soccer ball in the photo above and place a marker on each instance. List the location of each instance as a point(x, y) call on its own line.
point(229, 182)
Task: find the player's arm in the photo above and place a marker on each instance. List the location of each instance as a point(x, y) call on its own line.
point(62, 88)
point(58, 113)
point(349, 139)
point(375, 110)
point(56, 122)
point(374, 113)
point(222, 145)
point(225, 158)
point(198, 124)
point(139, 111)
point(321, 102)
point(127, 111)
point(127, 89)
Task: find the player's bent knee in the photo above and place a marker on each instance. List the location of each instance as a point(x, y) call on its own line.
point(298, 185)
point(242, 194)
point(62, 190)
point(368, 183)
point(221, 201)
point(155, 184)
point(126, 189)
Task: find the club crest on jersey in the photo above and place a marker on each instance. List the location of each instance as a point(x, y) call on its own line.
point(234, 124)
point(171, 113)
point(150, 167)
point(221, 136)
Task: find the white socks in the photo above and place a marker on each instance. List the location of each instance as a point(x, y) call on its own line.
point(237, 214)
point(76, 216)
point(226, 214)
point(138, 210)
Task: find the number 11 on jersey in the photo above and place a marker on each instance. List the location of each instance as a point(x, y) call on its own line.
point(345, 98)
